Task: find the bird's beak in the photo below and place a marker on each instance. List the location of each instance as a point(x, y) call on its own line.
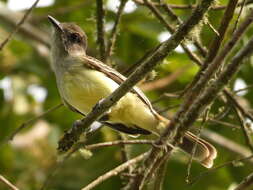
point(55, 23)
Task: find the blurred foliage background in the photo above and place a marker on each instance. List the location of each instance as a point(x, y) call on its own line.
point(28, 88)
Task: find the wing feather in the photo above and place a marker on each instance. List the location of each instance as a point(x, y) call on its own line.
point(93, 63)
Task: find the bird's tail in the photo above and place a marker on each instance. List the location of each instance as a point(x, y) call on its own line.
point(204, 152)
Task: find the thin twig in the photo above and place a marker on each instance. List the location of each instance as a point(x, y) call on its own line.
point(233, 126)
point(7, 183)
point(244, 89)
point(125, 152)
point(246, 135)
point(134, 184)
point(189, 165)
point(159, 179)
point(149, 53)
point(197, 178)
point(118, 142)
point(223, 113)
point(227, 144)
point(18, 25)
point(28, 31)
point(166, 81)
point(196, 41)
point(239, 15)
point(113, 34)
point(246, 183)
point(30, 121)
point(231, 97)
point(167, 95)
point(101, 29)
point(168, 108)
point(212, 28)
point(115, 171)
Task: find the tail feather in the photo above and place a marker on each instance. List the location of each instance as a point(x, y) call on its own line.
point(205, 153)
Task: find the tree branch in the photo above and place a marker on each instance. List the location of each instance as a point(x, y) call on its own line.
point(171, 29)
point(118, 142)
point(246, 183)
point(197, 178)
point(227, 144)
point(246, 135)
point(7, 183)
point(165, 81)
point(18, 25)
point(173, 16)
point(113, 34)
point(30, 121)
point(100, 29)
point(115, 171)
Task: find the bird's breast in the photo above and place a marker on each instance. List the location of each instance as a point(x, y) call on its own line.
point(83, 88)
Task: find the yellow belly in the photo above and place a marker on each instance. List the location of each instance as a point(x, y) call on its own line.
point(84, 88)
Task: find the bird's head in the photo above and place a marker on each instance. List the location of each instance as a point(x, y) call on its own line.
point(68, 38)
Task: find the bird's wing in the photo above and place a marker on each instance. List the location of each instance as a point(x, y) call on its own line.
point(93, 63)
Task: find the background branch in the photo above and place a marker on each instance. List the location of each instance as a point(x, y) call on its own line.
point(246, 183)
point(7, 183)
point(100, 29)
point(18, 25)
point(115, 171)
point(114, 32)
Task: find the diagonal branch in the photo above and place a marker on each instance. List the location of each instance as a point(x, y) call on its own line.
point(8, 19)
point(173, 16)
point(115, 171)
point(18, 25)
point(171, 29)
point(246, 183)
point(246, 135)
point(7, 183)
point(32, 120)
point(243, 159)
point(227, 144)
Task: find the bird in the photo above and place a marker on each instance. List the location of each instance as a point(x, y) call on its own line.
point(83, 81)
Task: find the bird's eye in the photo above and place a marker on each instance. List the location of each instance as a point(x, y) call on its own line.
point(75, 38)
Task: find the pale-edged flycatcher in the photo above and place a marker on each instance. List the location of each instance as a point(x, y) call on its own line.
point(83, 81)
